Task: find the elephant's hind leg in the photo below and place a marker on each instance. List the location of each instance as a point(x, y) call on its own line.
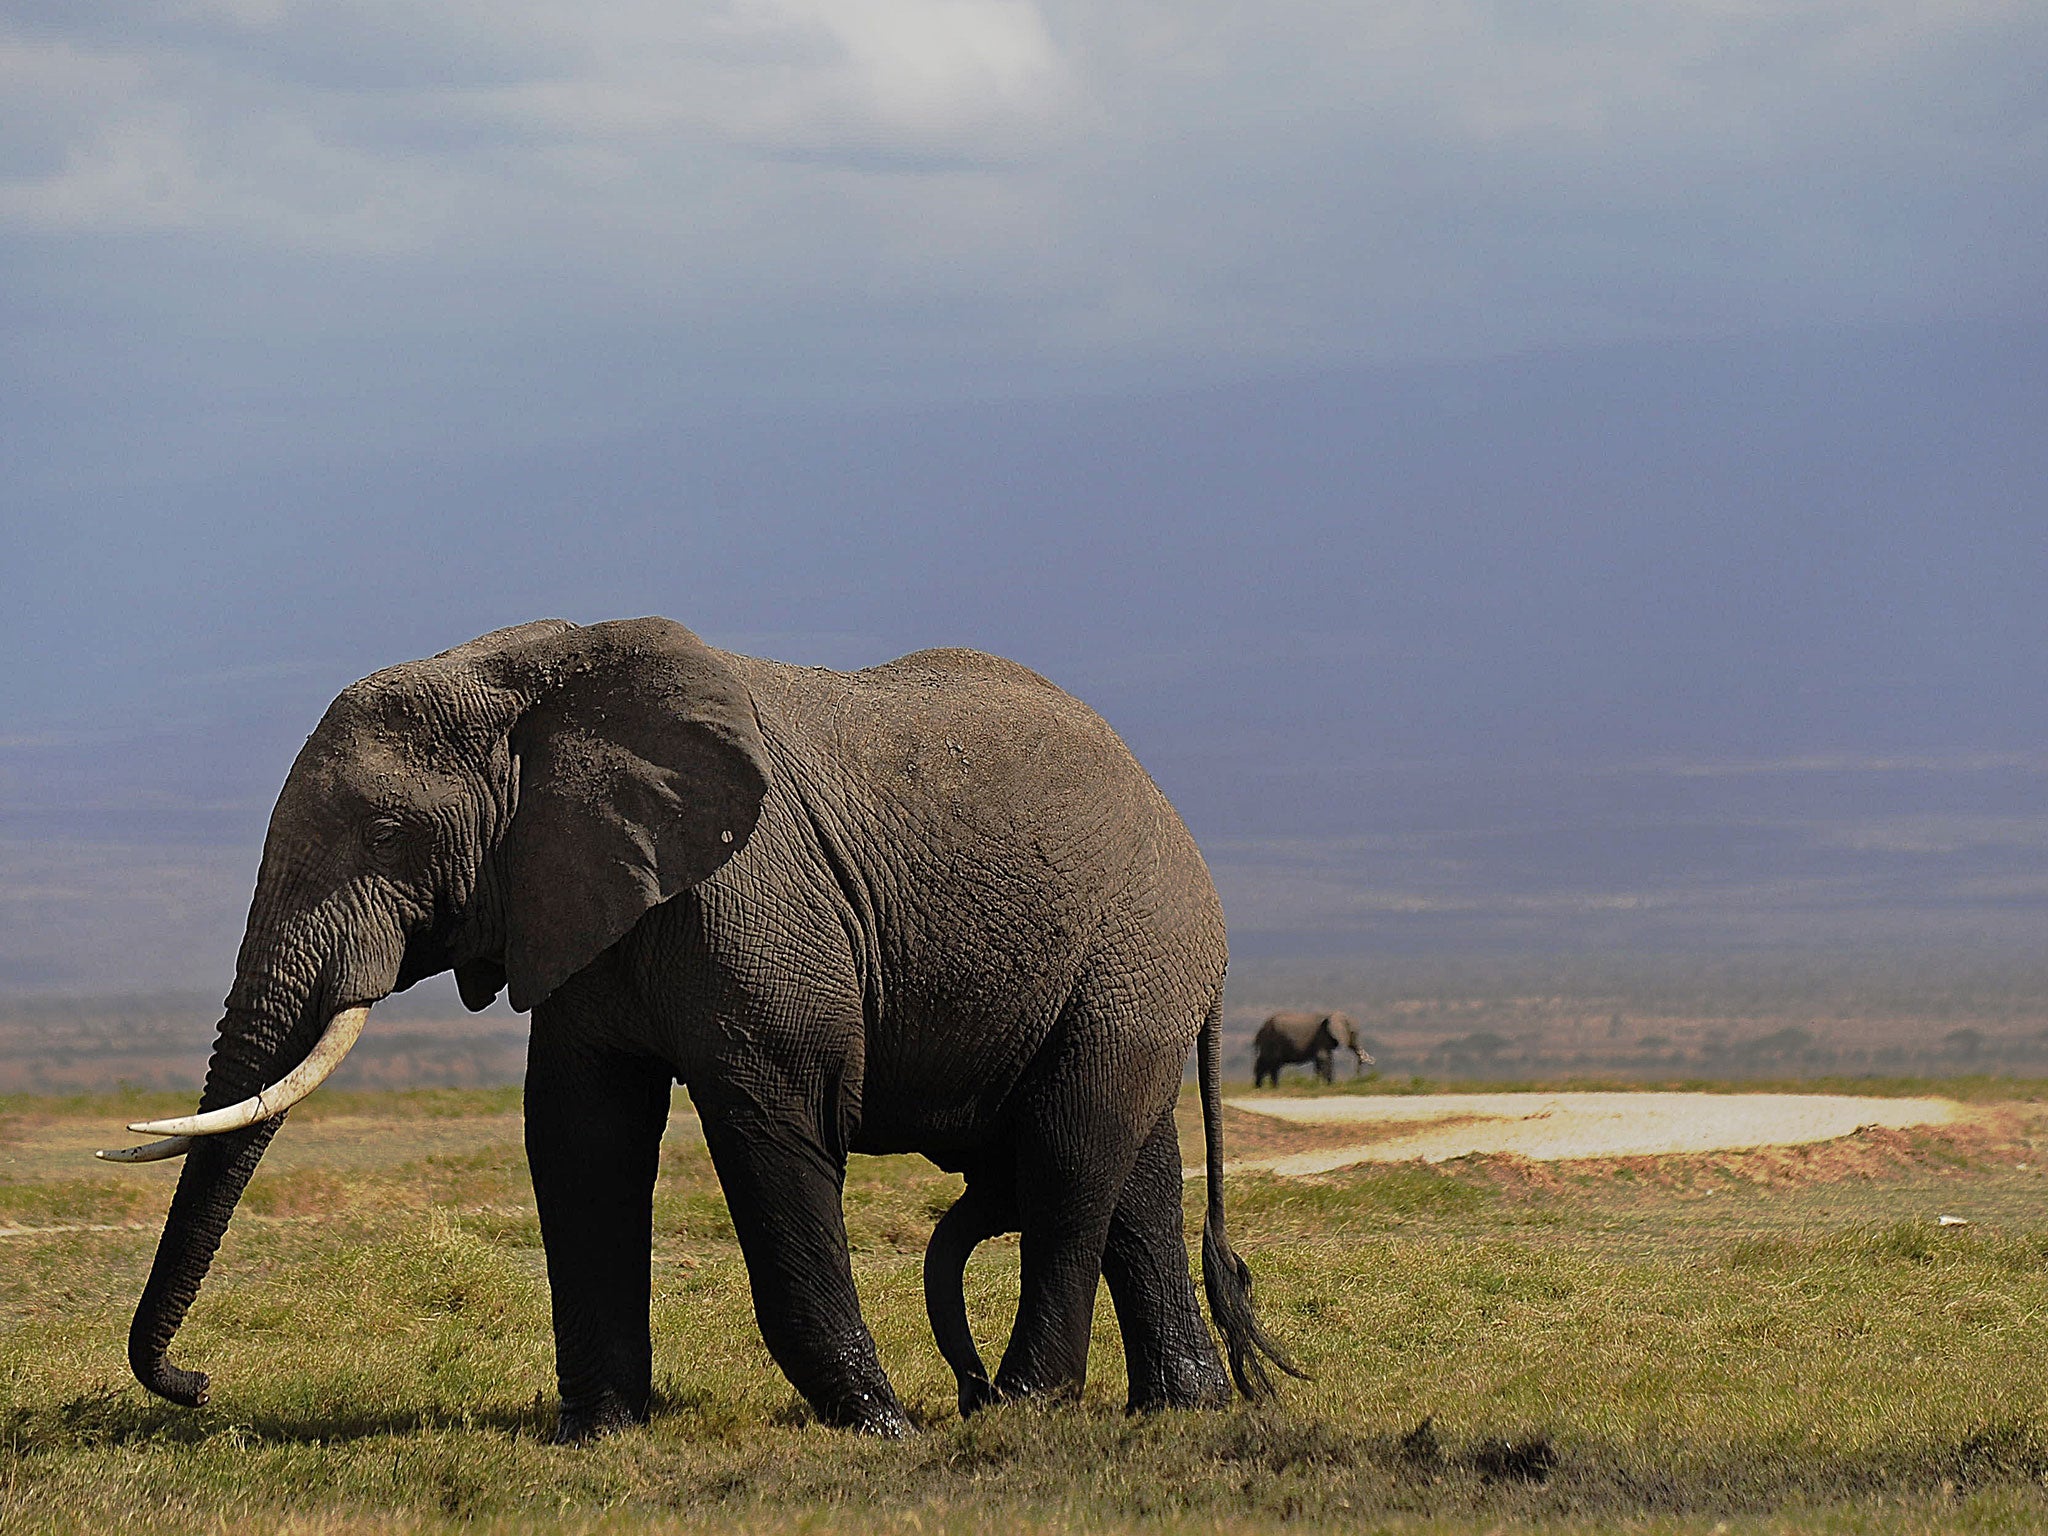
point(1168, 1348)
point(1079, 1129)
point(593, 1141)
point(984, 1211)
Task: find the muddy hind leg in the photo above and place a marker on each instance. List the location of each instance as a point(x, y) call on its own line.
point(1167, 1346)
point(1171, 1356)
point(986, 1210)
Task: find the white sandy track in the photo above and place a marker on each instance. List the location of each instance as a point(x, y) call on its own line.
point(1552, 1126)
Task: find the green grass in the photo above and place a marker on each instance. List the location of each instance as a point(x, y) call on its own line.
point(1592, 1356)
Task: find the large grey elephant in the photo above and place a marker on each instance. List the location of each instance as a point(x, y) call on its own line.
point(1289, 1037)
point(931, 907)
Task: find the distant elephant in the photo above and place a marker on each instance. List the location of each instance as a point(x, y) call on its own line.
point(930, 907)
point(1292, 1037)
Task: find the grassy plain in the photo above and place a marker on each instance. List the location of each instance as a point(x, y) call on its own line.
point(1769, 1342)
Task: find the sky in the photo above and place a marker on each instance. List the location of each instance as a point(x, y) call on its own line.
point(1558, 475)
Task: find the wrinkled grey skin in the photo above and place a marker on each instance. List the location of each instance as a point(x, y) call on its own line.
point(1289, 1037)
point(931, 907)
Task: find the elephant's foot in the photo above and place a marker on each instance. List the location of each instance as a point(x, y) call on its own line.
point(893, 1425)
point(868, 1413)
point(1183, 1381)
point(860, 1399)
point(588, 1421)
point(1047, 1392)
point(976, 1393)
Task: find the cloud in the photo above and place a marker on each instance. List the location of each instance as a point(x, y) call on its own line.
point(334, 123)
point(1937, 834)
point(1048, 185)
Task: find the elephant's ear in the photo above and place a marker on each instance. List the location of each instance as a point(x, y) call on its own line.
point(641, 770)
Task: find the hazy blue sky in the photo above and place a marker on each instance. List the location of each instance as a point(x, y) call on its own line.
point(1557, 474)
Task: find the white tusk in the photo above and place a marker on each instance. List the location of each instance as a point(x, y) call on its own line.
point(342, 1031)
point(149, 1152)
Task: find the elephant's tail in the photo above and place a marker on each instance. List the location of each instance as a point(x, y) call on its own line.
point(1225, 1276)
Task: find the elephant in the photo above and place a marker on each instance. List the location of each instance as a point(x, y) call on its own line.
point(1134, 1267)
point(1289, 1037)
point(934, 906)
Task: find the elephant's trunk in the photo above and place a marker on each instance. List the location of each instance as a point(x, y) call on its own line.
point(217, 1169)
point(215, 1173)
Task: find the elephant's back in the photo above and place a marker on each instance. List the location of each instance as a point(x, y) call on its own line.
point(1291, 1021)
point(1016, 856)
point(972, 742)
point(941, 664)
point(970, 702)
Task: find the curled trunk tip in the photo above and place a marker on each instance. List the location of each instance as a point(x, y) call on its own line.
point(154, 1370)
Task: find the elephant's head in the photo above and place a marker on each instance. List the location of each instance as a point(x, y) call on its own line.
point(1342, 1030)
point(508, 810)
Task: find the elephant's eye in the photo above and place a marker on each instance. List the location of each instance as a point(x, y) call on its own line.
point(382, 833)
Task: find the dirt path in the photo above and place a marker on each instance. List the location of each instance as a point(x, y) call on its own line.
point(1550, 1126)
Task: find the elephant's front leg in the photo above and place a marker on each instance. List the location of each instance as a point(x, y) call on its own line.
point(784, 1189)
point(593, 1141)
